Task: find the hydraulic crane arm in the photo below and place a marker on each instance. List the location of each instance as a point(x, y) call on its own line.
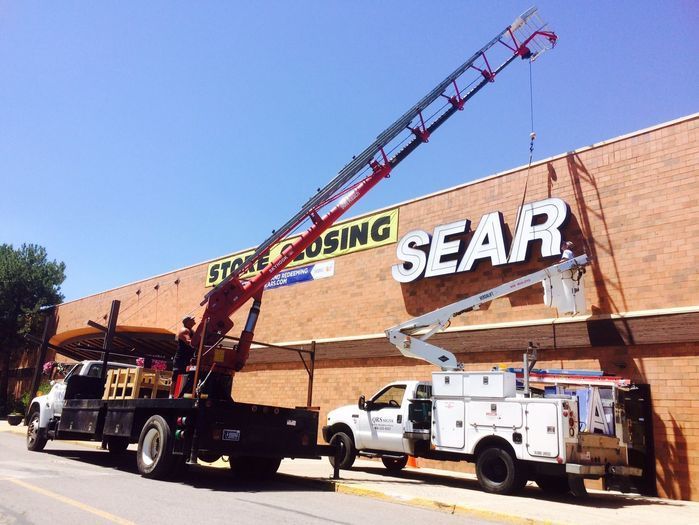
point(411, 336)
point(526, 37)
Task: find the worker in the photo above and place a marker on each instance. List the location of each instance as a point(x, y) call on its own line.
point(567, 251)
point(185, 351)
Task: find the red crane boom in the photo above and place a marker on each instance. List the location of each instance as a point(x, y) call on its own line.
point(527, 37)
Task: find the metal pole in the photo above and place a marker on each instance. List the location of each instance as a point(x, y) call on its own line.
point(525, 369)
point(309, 400)
point(109, 336)
point(49, 328)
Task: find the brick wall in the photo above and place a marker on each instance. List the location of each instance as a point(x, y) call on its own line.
point(634, 206)
point(671, 370)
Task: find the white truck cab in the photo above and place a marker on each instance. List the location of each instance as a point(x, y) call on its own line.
point(47, 408)
point(376, 427)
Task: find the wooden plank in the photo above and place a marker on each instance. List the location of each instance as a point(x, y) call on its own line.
point(156, 385)
point(126, 381)
point(136, 388)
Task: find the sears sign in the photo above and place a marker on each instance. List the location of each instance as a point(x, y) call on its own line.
point(443, 253)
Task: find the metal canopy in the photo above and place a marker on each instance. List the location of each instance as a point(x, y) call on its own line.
point(130, 343)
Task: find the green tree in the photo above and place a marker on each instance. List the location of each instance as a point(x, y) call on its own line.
point(28, 283)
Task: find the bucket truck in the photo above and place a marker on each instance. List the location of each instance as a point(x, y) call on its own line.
point(480, 417)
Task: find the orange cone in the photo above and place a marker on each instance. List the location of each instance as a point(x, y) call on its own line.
point(412, 462)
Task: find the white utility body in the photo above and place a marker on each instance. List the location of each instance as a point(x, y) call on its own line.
point(481, 416)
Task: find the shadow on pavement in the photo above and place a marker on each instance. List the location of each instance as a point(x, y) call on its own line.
point(197, 476)
point(595, 500)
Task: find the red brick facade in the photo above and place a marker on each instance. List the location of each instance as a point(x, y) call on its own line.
point(634, 209)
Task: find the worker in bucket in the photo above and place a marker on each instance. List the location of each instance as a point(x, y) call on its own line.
point(185, 350)
point(567, 251)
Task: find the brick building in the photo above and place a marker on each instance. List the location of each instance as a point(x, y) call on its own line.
point(632, 205)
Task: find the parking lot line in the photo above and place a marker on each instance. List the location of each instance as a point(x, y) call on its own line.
point(69, 501)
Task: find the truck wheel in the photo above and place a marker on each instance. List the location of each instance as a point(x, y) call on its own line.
point(254, 468)
point(347, 451)
point(208, 457)
point(117, 445)
point(577, 486)
point(498, 473)
point(394, 464)
point(36, 441)
point(553, 484)
point(154, 456)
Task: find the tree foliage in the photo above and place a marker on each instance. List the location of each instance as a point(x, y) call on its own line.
point(28, 282)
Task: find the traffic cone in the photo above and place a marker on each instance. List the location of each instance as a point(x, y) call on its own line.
point(412, 462)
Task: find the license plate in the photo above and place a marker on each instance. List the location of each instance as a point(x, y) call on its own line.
point(231, 435)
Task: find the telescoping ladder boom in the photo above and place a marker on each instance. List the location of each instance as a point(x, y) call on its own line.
point(526, 37)
point(411, 336)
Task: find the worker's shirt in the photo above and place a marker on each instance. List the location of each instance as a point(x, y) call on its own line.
point(184, 353)
point(567, 254)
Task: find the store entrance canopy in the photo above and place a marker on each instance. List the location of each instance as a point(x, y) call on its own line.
point(130, 343)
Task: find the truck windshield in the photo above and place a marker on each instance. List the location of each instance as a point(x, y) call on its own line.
point(72, 371)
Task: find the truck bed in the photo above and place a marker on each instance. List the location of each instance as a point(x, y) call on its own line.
point(221, 427)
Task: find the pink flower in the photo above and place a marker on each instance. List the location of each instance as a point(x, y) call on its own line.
point(48, 366)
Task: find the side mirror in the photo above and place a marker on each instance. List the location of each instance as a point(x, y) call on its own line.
point(362, 402)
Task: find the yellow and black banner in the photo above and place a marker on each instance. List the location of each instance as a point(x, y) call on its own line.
point(343, 238)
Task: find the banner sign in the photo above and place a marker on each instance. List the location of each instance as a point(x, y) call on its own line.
point(312, 272)
point(347, 237)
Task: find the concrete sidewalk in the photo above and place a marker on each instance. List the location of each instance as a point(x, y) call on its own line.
point(459, 493)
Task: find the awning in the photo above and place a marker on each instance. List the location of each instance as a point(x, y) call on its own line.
point(130, 342)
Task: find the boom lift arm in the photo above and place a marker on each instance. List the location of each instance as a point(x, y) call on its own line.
point(411, 336)
point(526, 37)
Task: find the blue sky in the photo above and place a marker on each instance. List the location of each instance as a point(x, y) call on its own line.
point(141, 137)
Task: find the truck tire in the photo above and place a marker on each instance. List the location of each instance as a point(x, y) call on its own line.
point(253, 468)
point(208, 457)
point(553, 484)
point(498, 472)
point(577, 486)
point(36, 440)
point(117, 445)
point(394, 464)
point(154, 456)
point(347, 451)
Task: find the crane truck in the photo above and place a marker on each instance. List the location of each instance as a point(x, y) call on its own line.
point(481, 417)
point(203, 421)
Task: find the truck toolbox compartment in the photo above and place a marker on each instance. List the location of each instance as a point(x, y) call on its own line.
point(474, 384)
point(81, 416)
point(119, 423)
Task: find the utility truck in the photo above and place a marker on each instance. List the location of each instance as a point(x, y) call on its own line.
point(202, 421)
point(511, 435)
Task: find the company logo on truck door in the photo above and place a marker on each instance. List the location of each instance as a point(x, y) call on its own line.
point(347, 237)
point(446, 252)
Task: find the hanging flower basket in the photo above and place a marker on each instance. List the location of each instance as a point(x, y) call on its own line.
point(15, 419)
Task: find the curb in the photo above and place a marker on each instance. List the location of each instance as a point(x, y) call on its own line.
point(440, 506)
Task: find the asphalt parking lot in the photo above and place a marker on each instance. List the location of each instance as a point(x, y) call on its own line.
point(448, 492)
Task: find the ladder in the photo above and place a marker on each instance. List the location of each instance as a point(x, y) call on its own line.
point(527, 37)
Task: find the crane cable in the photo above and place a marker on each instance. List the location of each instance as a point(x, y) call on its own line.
point(532, 137)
